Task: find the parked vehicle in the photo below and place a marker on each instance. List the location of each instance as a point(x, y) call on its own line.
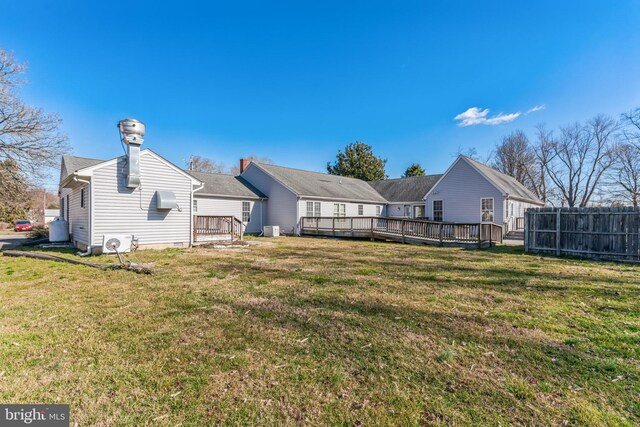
point(23, 225)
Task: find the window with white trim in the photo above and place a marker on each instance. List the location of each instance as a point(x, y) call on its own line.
point(378, 210)
point(195, 205)
point(313, 209)
point(339, 210)
point(407, 211)
point(438, 210)
point(360, 210)
point(82, 197)
point(418, 211)
point(486, 206)
point(246, 211)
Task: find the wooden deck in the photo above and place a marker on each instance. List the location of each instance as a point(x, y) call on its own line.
point(404, 230)
point(216, 228)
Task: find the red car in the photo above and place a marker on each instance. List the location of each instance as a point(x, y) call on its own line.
point(23, 225)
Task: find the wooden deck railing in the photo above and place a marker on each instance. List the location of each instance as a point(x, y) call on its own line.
point(403, 230)
point(206, 228)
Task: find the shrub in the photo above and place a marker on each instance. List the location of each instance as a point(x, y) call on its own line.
point(39, 232)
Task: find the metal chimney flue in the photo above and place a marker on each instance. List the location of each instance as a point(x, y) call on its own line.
point(132, 132)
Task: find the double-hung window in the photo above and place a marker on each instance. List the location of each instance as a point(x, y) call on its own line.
point(246, 211)
point(486, 205)
point(378, 210)
point(438, 210)
point(360, 210)
point(313, 209)
point(195, 206)
point(339, 210)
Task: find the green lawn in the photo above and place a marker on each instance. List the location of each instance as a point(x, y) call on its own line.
point(312, 331)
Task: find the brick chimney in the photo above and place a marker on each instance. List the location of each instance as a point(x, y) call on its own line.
point(244, 163)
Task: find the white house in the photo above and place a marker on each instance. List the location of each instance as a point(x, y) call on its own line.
point(405, 196)
point(97, 203)
point(472, 192)
point(152, 201)
point(295, 193)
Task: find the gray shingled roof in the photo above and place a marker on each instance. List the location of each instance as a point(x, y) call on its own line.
point(225, 185)
point(322, 185)
point(411, 189)
point(70, 164)
point(507, 183)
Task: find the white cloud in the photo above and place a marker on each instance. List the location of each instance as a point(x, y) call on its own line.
point(478, 116)
point(536, 108)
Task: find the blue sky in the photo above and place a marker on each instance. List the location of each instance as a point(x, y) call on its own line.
point(296, 81)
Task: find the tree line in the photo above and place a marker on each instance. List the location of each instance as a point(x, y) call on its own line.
point(577, 165)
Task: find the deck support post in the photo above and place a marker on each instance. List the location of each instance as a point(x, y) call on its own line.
point(440, 234)
point(333, 226)
point(403, 223)
point(372, 239)
point(351, 226)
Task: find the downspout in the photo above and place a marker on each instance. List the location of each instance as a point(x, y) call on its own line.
point(193, 190)
point(89, 245)
point(297, 229)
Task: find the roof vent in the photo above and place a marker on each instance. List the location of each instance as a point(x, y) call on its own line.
point(132, 131)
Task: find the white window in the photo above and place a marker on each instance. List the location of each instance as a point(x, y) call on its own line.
point(378, 210)
point(418, 211)
point(339, 210)
point(195, 205)
point(360, 209)
point(82, 198)
point(246, 211)
point(438, 210)
point(313, 209)
point(487, 209)
point(407, 211)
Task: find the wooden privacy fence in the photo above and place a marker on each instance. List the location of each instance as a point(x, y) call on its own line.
point(208, 228)
point(403, 230)
point(604, 233)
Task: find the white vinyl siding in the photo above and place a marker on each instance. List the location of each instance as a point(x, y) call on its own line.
point(281, 208)
point(122, 210)
point(461, 190)
point(219, 206)
point(77, 216)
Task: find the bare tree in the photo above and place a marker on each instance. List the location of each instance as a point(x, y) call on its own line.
point(30, 142)
point(624, 178)
point(515, 157)
point(29, 137)
point(579, 158)
point(631, 127)
point(202, 164)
